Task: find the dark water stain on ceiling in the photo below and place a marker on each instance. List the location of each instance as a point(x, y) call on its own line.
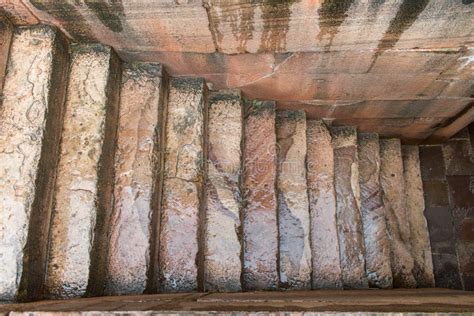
point(70, 15)
point(332, 14)
point(276, 23)
point(375, 4)
point(243, 30)
point(240, 18)
point(110, 13)
point(214, 22)
point(407, 14)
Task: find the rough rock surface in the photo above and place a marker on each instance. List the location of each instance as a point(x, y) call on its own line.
point(398, 225)
point(419, 236)
point(84, 185)
point(349, 219)
point(260, 228)
point(327, 272)
point(223, 266)
point(182, 186)
point(376, 240)
point(293, 204)
point(137, 170)
point(32, 108)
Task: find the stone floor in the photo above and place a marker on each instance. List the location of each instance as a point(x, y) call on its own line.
point(361, 302)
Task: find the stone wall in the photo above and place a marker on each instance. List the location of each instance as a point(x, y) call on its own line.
point(448, 181)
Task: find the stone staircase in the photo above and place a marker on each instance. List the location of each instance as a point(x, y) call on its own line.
point(115, 179)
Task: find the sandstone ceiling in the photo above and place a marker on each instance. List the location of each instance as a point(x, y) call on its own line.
point(402, 68)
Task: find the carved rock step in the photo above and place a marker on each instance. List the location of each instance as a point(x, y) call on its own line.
point(183, 186)
point(223, 248)
point(6, 34)
point(419, 236)
point(349, 219)
point(293, 204)
point(326, 264)
point(137, 178)
point(30, 128)
point(85, 176)
point(376, 240)
point(260, 228)
point(398, 225)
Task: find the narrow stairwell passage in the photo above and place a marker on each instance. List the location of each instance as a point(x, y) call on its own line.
point(117, 180)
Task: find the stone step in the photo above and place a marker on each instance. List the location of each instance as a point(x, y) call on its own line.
point(349, 219)
point(84, 184)
point(326, 266)
point(183, 186)
point(394, 196)
point(138, 178)
point(419, 236)
point(293, 204)
point(30, 128)
point(6, 35)
point(223, 250)
point(260, 227)
point(376, 240)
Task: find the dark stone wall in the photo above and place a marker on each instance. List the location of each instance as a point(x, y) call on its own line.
point(448, 182)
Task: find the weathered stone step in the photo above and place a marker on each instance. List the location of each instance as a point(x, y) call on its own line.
point(183, 186)
point(398, 226)
point(293, 204)
point(30, 128)
point(376, 239)
point(326, 264)
point(260, 227)
point(223, 250)
point(349, 219)
point(84, 185)
point(138, 179)
point(419, 235)
point(6, 35)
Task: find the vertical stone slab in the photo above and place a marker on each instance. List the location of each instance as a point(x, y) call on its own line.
point(223, 265)
point(326, 263)
point(137, 178)
point(398, 225)
point(30, 128)
point(419, 236)
point(349, 219)
point(183, 185)
point(376, 240)
point(260, 228)
point(6, 34)
point(85, 176)
point(293, 204)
